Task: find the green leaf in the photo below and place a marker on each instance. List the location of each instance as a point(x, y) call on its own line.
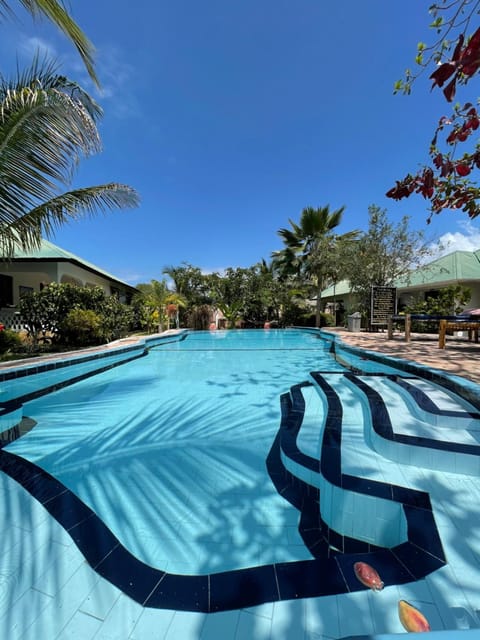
point(437, 23)
point(398, 86)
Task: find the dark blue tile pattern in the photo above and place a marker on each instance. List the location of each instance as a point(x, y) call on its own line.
point(383, 426)
point(423, 536)
point(330, 571)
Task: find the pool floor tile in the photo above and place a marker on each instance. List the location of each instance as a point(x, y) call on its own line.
point(152, 624)
point(100, 600)
point(289, 619)
point(185, 624)
point(86, 606)
point(322, 617)
point(121, 620)
point(244, 589)
point(80, 627)
point(355, 615)
point(64, 564)
point(252, 626)
point(24, 613)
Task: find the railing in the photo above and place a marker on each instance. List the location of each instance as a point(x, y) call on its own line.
point(11, 319)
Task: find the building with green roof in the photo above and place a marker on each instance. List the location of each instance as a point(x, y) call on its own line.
point(31, 271)
point(456, 268)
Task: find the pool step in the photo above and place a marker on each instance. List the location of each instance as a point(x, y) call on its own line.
point(429, 435)
point(356, 514)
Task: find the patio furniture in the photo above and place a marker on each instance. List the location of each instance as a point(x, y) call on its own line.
point(462, 325)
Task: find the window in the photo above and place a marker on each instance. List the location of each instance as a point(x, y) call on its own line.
point(6, 291)
point(24, 291)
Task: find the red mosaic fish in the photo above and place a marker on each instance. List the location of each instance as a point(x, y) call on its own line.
point(368, 576)
point(411, 618)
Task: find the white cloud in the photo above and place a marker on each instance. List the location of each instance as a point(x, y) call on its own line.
point(29, 47)
point(466, 240)
point(117, 79)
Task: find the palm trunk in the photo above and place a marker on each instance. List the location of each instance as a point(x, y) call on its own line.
point(318, 307)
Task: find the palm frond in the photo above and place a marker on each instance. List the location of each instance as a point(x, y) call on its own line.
point(42, 221)
point(56, 13)
point(43, 134)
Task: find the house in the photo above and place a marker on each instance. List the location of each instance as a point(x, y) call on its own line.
point(456, 268)
point(31, 271)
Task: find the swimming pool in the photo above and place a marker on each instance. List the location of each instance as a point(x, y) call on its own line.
point(205, 460)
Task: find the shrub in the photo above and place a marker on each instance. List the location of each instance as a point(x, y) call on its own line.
point(81, 328)
point(199, 317)
point(327, 319)
point(9, 341)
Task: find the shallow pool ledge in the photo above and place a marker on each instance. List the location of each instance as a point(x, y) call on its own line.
point(355, 357)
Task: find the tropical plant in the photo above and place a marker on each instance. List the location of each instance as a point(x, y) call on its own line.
point(44, 314)
point(309, 247)
point(199, 316)
point(10, 341)
point(157, 298)
point(190, 282)
point(448, 301)
point(232, 312)
point(81, 327)
point(448, 182)
point(47, 123)
point(57, 14)
point(381, 255)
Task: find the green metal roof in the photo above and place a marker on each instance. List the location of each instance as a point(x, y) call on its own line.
point(49, 252)
point(454, 267)
point(341, 288)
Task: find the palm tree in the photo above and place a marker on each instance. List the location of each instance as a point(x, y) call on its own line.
point(56, 13)
point(157, 298)
point(309, 245)
point(47, 123)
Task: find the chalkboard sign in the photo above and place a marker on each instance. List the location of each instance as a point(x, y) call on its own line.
point(383, 304)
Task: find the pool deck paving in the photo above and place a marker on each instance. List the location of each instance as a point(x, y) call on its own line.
point(460, 357)
point(48, 591)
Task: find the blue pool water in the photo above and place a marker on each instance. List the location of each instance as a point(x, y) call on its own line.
point(224, 484)
point(169, 450)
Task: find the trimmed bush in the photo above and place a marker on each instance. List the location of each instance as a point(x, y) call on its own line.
point(81, 328)
point(10, 341)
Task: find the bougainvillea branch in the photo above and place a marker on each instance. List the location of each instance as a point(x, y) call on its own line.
point(448, 183)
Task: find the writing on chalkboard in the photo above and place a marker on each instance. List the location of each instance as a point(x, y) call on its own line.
point(383, 304)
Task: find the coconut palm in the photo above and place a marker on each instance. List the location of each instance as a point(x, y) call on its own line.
point(56, 13)
point(309, 245)
point(47, 123)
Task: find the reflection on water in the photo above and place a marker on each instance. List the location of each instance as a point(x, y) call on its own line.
point(169, 450)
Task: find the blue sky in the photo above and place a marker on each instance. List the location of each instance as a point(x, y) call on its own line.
point(230, 117)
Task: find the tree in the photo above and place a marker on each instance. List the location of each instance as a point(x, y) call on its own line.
point(56, 13)
point(57, 312)
point(229, 293)
point(309, 247)
point(449, 301)
point(448, 183)
point(157, 298)
point(47, 123)
point(190, 282)
point(381, 255)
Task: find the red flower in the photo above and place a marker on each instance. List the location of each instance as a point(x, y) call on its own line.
point(462, 169)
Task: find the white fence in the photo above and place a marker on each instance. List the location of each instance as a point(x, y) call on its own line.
point(11, 319)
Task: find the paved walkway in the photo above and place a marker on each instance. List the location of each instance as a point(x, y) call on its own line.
point(460, 356)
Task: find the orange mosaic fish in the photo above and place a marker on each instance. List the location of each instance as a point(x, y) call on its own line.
point(411, 618)
point(368, 576)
